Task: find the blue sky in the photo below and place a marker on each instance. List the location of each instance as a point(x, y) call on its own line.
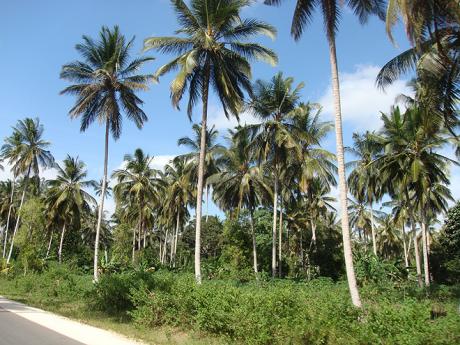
point(38, 37)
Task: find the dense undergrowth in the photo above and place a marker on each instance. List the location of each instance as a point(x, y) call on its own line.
point(256, 312)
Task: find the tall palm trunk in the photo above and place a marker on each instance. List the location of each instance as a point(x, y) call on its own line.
point(280, 239)
point(61, 242)
point(176, 236)
point(425, 250)
point(254, 243)
point(49, 244)
point(5, 238)
point(417, 254)
point(406, 254)
point(374, 240)
point(275, 212)
point(134, 246)
point(199, 194)
point(18, 219)
point(207, 202)
point(347, 251)
point(101, 203)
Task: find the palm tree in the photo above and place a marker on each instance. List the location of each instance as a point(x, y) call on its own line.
point(433, 28)
point(241, 183)
point(411, 165)
point(364, 180)
point(211, 51)
point(138, 183)
point(10, 152)
point(330, 9)
point(67, 199)
point(210, 161)
point(277, 137)
point(179, 196)
point(31, 154)
point(106, 82)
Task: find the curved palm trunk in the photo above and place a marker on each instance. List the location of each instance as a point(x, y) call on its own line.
point(425, 251)
point(101, 204)
point(347, 251)
point(18, 220)
point(199, 194)
point(61, 242)
point(254, 243)
point(275, 212)
point(5, 238)
point(374, 240)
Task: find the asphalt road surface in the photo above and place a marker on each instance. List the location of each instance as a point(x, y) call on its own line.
point(24, 325)
point(16, 330)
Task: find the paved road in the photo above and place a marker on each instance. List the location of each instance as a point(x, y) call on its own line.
point(16, 330)
point(24, 325)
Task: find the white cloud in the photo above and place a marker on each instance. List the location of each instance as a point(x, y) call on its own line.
point(6, 173)
point(362, 101)
point(218, 119)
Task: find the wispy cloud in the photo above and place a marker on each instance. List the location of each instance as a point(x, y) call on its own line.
point(362, 101)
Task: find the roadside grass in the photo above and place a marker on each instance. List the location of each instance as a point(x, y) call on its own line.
point(168, 308)
point(71, 305)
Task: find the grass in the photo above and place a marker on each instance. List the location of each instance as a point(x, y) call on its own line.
point(74, 307)
point(168, 308)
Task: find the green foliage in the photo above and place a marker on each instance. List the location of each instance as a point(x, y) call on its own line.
point(31, 237)
point(445, 256)
point(373, 270)
point(284, 312)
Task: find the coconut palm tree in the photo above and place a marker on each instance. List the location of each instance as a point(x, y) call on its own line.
point(331, 11)
point(411, 163)
point(364, 180)
point(31, 154)
point(240, 183)
point(67, 198)
point(106, 82)
point(193, 157)
point(139, 183)
point(212, 50)
point(179, 196)
point(10, 152)
point(277, 137)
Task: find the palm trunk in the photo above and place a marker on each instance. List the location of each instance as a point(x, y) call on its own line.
point(49, 244)
point(374, 240)
point(176, 238)
point(134, 246)
point(254, 243)
point(207, 202)
point(61, 242)
point(165, 247)
point(406, 254)
point(18, 219)
point(101, 203)
point(275, 212)
point(280, 239)
point(425, 251)
point(5, 238)
point(347, 251)
point(313, 232)
point(199, 194)
point(417, 255)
